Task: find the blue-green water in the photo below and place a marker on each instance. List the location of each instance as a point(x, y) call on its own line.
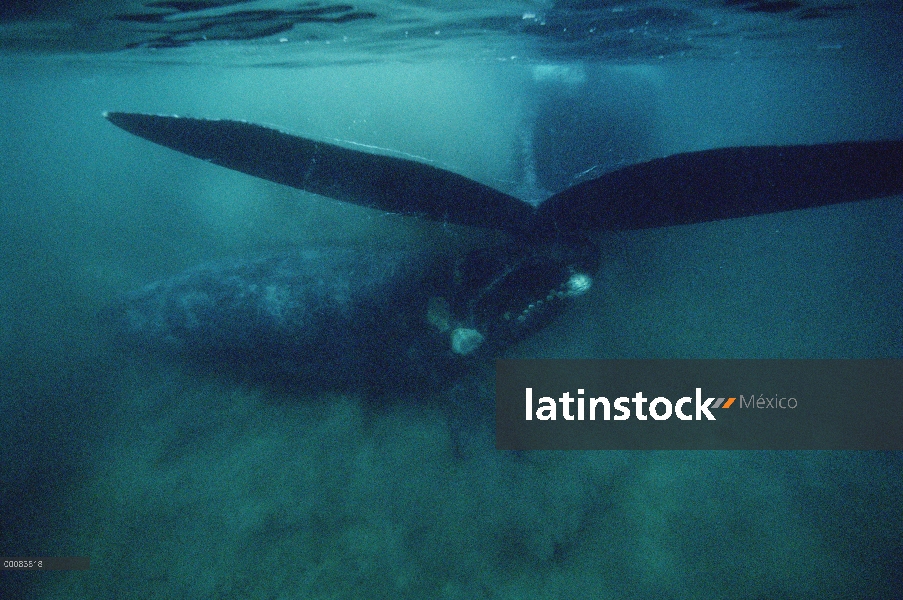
point(180, 483)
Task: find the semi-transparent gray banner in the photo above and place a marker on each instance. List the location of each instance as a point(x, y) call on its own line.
point(699, 404)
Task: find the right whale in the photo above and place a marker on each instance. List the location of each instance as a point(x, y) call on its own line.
point(371, 319)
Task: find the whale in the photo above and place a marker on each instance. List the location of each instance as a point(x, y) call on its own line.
point(349, 318)
point(353, 318)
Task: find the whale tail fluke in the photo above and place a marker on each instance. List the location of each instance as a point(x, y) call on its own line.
point(728, 183)
point(692, 187)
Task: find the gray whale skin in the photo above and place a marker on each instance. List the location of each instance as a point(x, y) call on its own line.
point(347, 318)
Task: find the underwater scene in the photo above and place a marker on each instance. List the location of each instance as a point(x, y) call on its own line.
point(258, 259)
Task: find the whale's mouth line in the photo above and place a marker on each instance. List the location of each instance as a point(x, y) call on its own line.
point(576, 285)
point(503, 294)
point(465, 337)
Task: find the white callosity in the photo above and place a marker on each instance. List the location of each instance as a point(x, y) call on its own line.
point(465, 340)
point(578, 284)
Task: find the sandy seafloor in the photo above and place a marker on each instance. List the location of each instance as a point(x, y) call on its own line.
point(181, 484)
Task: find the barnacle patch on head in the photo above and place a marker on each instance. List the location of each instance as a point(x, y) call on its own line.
point(465, 340)
point(578, 284)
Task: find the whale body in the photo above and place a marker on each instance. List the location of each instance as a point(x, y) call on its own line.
point(346, 317)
